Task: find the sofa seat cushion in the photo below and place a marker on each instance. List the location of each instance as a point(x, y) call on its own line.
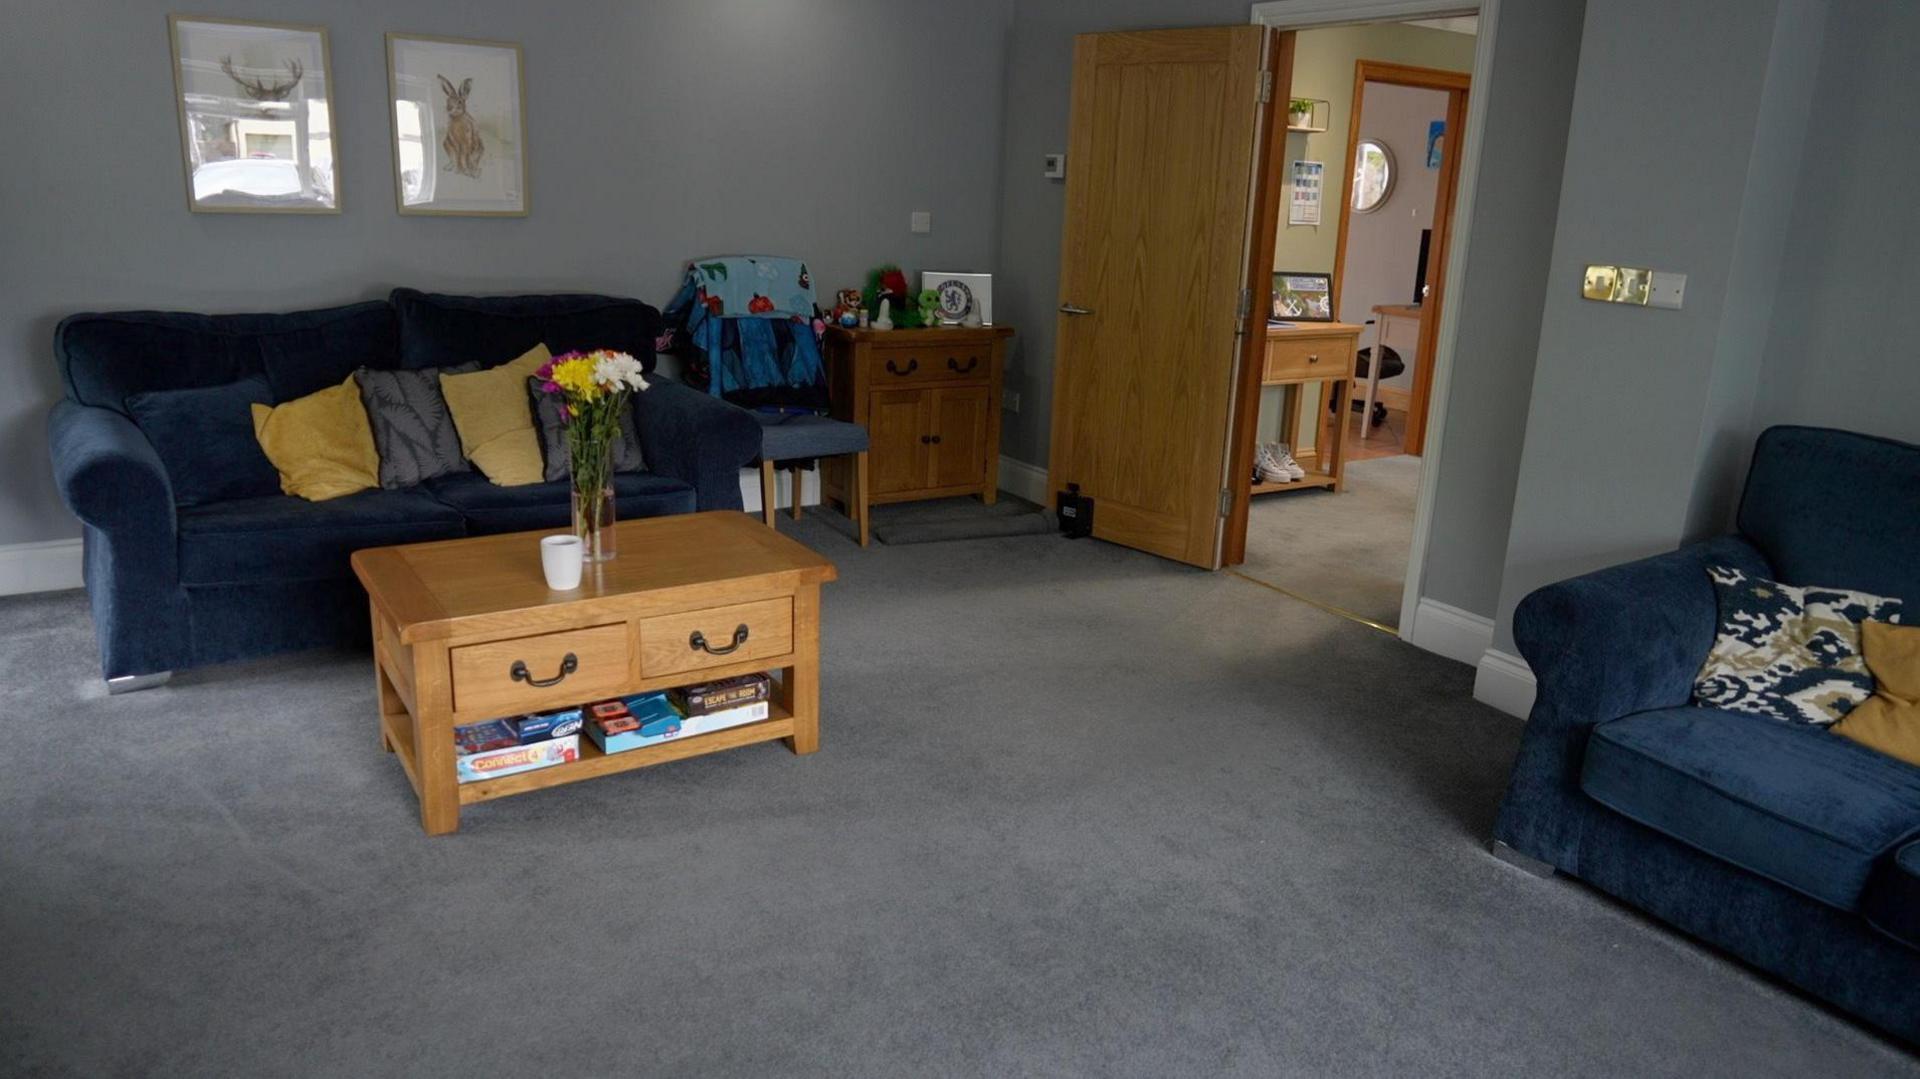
point(792, 437)
point(1892, 901)
point(490, 508)
point(1795, 804)
point(282, 538)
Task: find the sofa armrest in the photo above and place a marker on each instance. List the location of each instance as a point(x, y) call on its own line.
point(697, 438)
point(1626, 638)
point(107, 471)
point(111, 479)
point(1611, 643)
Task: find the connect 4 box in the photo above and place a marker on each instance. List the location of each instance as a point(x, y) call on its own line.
point(493, 749)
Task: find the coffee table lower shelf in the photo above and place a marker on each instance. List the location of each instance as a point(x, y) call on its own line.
point(592, 763)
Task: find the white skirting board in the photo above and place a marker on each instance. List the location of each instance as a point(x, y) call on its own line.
point(51, 566)
point(1446, 630)
point(1024, 480)
point(1504, 681)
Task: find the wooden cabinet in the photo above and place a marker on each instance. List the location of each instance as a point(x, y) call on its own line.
point(930, 400)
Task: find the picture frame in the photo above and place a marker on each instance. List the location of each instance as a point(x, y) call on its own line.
point(258, 130)
point(960, 295)
point(1300, 296)
point(457, 114)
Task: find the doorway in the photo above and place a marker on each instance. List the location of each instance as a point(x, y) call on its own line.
point(1336, 466)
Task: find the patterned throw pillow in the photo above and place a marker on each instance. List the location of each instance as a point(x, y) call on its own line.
point(1789, 653)
point(553, 435)
point(412, 428)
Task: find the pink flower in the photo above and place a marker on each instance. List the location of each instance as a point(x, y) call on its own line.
point(550, 386)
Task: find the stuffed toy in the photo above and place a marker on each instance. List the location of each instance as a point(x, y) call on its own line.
point(890, 283)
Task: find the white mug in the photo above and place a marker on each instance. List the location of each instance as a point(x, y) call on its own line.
point(560, 558)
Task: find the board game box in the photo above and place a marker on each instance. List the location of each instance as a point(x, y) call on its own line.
point(494, 763)
point(682, 728)
point(722, 694)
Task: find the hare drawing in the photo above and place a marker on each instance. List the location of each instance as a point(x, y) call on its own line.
point(462, 141)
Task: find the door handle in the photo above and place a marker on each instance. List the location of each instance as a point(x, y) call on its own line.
point(1074, 309)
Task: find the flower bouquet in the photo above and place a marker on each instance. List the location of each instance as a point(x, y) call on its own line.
point(594, 389)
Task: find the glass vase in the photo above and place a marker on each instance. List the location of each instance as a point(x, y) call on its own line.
point(590, 473)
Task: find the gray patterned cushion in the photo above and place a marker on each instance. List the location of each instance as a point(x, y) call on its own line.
point(412, 428)
point(553, 435)
point(1789, 653)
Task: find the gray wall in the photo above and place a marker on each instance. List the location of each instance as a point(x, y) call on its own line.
point(1536, 50)
point(1039, 70)
point(657, 132)
point(1845, 347)
point(1661, 172)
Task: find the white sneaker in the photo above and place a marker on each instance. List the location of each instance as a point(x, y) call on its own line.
point(1268, 467)
point(1284, 455)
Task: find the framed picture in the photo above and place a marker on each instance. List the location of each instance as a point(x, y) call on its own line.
point(256, 116)
point(962, 295)
point(459, 126)
point(1302, 297)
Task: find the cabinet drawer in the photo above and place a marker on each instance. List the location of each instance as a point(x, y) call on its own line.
point(912, 365)
point(497, 678)
point(716, 636)
point(1313, 357)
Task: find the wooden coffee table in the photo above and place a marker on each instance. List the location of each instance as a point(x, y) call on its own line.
point(467, 630)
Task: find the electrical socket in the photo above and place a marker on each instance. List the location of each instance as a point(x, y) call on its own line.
point(920, 221)
point(1010, 400)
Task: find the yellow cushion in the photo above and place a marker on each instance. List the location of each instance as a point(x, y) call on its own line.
point(495, 419)
point(320, 444)
point(1889, 721)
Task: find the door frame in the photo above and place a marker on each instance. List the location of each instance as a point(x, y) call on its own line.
point(1457, 86)
point(1307, 15)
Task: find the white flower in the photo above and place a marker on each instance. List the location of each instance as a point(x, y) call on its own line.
point(618, 371)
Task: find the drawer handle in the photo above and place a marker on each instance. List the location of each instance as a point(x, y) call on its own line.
point(698, 642)
point(912, 366)
point(568, 665)
point(1313, 357)
point(954, 365)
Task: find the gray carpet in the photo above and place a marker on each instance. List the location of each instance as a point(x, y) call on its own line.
point(1347, 549)
point(1078, 812)
point(941, 520)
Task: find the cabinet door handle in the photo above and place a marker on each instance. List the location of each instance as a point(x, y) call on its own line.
point(1313, 357)
point(954, 365)
point(936, 440)
point(568, 665)
point(698, 642)
point(912, 366)
point(926, 440)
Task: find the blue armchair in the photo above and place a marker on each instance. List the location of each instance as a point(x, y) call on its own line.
point(179, 582)
point(1792, 848)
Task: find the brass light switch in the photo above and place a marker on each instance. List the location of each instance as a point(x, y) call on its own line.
point(1617, 284)
point(1599, 281)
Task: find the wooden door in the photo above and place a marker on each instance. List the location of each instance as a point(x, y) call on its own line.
point(959, 436)
point(899, 428)
point(1160, 162)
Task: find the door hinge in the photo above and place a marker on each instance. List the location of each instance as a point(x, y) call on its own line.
point(1246, 305)
point(1226, 501)
point(1266, 87)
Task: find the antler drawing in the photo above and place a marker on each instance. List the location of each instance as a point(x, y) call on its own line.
point(261, 89)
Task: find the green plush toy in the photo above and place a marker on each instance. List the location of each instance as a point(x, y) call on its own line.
point(929, 302)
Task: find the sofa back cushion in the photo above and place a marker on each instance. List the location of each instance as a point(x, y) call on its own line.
point(1836, 509)
point(440, 331)
point(107, 357)
point(204, 438)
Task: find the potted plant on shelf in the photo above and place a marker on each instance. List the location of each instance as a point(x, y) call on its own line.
point(594, 388)
point(1300, 112)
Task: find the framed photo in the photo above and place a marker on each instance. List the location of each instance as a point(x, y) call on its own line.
point(459, 126)
point(255, 101)
point(1302, 297)
point(962, 295)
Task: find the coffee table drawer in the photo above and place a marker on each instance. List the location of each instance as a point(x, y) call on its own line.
point(526, 674)
point(715, 637)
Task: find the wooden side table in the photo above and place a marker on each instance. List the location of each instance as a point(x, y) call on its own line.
point(466, 630)
point(1307, 352)
point(930, 401)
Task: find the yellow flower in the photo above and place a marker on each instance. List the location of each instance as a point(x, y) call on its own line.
point(576, 377)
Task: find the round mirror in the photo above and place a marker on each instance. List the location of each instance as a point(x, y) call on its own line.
point(1372, 175)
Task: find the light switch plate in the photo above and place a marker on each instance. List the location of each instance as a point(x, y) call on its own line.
point(1667, 290)
point(920, 221)
point(1598, 282)
point(1055, 166)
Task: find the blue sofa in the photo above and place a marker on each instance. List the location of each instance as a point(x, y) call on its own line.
point(183, 585)
point(1794, 849)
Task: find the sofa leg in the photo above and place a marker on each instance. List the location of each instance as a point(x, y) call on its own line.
point(133, 683)
point(1524, 862)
